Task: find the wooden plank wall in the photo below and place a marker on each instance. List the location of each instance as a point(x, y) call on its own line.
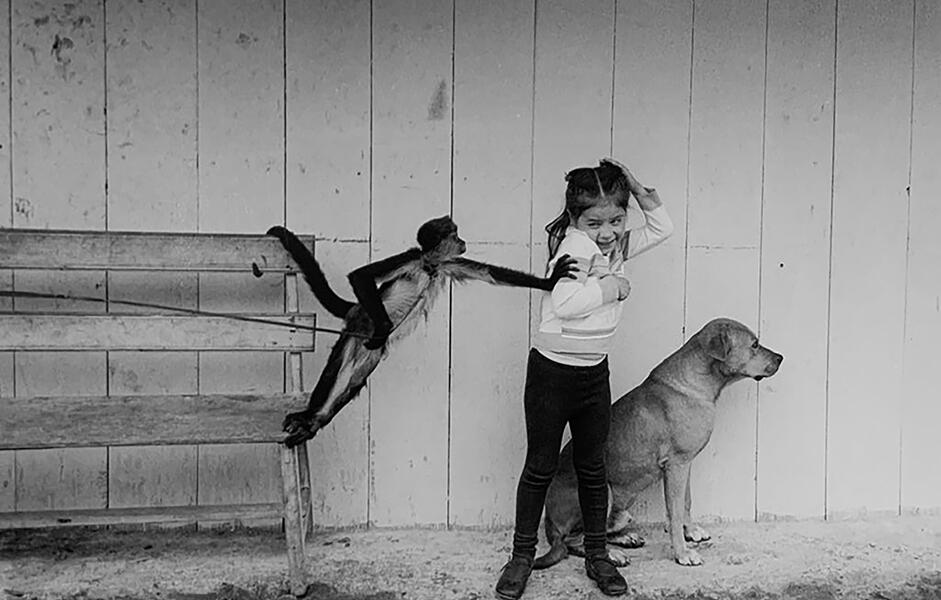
point(792, 142)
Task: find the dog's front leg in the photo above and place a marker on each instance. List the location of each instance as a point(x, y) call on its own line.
point(692, 533)
point(675, 478)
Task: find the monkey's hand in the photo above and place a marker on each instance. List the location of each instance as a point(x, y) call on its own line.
point(300, 427)
point(379, 336)
point(566, 267)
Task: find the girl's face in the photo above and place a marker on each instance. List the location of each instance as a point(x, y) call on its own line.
point(604, 223)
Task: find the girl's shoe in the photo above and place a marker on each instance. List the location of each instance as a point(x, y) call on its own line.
point(605, 573)
point(512, 581)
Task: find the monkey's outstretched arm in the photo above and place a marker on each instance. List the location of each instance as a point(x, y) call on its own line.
point(364, 285)
point(463, 269)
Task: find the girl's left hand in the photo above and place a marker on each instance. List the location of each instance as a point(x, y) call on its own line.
point(646, 197)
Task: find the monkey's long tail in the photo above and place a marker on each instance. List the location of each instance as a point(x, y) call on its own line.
point(335, 305)
point(557, 552)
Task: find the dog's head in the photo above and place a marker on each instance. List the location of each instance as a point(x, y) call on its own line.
point(736, 350)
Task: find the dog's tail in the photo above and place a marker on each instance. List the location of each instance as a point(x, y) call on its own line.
point(557, 551)
point(335, 305)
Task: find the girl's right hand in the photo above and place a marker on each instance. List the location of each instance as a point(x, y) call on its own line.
point(624, 288)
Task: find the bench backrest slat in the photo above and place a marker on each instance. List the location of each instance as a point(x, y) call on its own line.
point(83, 421)
point(44, 331)
point(115, 250)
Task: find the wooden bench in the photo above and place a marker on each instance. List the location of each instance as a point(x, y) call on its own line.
point(73, 422)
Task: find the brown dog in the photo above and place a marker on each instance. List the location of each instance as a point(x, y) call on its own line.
point(657, 429)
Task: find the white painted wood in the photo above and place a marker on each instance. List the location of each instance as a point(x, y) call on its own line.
point(795, 250)
point(241, 189)
point(867, 306)
point(921, 486)
point(328, 70)
point(412, 44)
point(651, 132)
point(339, 454)
point(488, 371)
point(573, 81)
point(241, 115)
point(152, 115)
point(152, 185)
point(723, 475)
point(492, 199)
point(58, 127)
point(7, 480)
point(724, 228)
point(493, 109)
point(726, 126)
point(6, 147)
point(58, 114)
point(56, 479)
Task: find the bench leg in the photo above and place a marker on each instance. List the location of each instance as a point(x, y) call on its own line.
point(307, 510)
point(293, 521)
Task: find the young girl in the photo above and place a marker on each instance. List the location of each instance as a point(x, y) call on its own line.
point(567, 373)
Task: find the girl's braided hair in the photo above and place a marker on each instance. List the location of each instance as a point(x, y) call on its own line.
point(587, 185)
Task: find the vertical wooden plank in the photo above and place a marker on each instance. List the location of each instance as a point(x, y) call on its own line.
point(339, 455)
point(152, 476)
point(6, 146)
point(229, 473)
point(241, 115)
point(724, 227)
point(651, 134)
point(328, 175)
point(493, 73)
point(723, 475)
point(492, 197)
point(328, 62)
point(7, 459)
point(921, 487)
point(151, 66)
point(58, 127)
point(572, 102)
point(58, 114)
point(871, 163)
point(412, 44)
point(70, 478)
point(152, 115)
point(239, 474)
point(488, 440)
point(795, 253)
point(7, 480)
point(241, 145)
point(241, 189)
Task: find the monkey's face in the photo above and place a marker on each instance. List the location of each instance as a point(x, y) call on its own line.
point(439, 237)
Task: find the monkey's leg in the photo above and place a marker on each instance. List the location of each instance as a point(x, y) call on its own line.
point(345, 374)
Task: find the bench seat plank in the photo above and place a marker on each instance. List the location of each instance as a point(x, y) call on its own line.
point(116, 516)
point(90, 421)
point(63, 331)
point(144, 251)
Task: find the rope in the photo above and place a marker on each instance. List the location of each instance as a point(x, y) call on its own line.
point(190, 311)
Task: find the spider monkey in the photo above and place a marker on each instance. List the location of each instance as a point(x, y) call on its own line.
point(408, 284)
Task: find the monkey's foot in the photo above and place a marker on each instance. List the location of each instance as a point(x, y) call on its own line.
point(300, 427)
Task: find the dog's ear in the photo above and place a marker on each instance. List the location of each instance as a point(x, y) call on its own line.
point(719, 344)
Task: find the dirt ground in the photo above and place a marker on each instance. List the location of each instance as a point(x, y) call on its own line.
point(878, 559)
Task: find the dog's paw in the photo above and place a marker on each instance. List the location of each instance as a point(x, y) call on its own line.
point(619, 557)
point(628, 540)
point(695, 534)
point(688, 558)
